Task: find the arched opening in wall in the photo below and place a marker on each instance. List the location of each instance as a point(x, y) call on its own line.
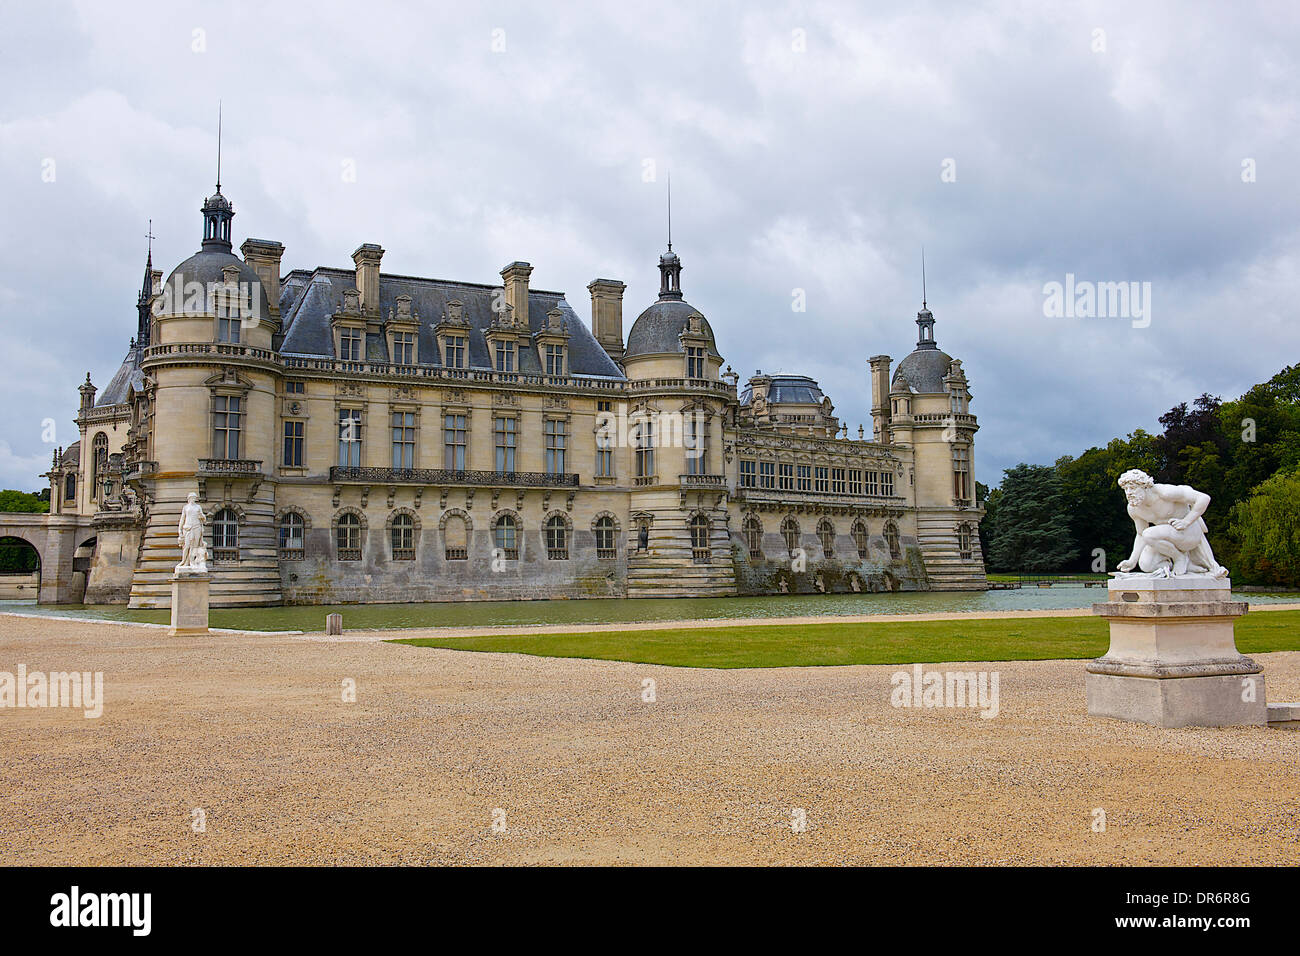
point(347, 537)
point(700, 551)
point(790, 532)
point(965, 542)
point(403, 538)
point(891, 539)
point(455, 539)
point(225, 537)
point(861, 540)
point(826, 535)
point(505, 537)
point(753, 529)
point(606, 538)
point(292, 529)
point(556, 533)
point(20, 570)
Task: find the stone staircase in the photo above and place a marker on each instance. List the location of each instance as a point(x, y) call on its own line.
point(937, 538)
point(666, 568)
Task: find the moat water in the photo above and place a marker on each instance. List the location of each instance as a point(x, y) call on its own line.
point(607, 611)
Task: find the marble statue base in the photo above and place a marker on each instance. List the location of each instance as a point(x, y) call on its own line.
point(1173, 660)
point(189, 603)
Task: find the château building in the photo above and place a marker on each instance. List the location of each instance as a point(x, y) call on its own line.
point(358, 436)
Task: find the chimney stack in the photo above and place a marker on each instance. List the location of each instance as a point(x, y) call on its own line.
point(607, 315)
point(263, 257)
point(367, 259)
point(880, 397)
point(515, 276)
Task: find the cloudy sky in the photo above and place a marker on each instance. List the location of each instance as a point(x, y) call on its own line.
point(812, 146)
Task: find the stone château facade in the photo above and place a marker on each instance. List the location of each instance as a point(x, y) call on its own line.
point(357, 436)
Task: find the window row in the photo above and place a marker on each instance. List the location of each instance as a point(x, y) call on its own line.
point(506, 533)
point(821, 479)
point(791, 533)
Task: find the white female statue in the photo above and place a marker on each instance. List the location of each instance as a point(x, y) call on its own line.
point(1170, 539)
point(194, 555)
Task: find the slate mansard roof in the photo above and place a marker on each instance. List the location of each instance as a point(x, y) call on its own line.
point(309, 299)
point(788, 389)
point(128, 374)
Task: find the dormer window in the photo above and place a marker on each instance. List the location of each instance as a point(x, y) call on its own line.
point(350, 341)
point(404, 348)
point(555, 360)
point(505, 356)
point(454, 351)
point(695, 362)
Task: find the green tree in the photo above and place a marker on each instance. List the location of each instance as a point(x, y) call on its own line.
point(23, 502)
point(1031, 527)
point(1266, 528)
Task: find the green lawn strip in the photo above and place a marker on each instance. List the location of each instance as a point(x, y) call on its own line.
point(813, 645)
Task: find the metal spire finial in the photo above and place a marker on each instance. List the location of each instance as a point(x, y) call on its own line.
point(923, 305)
point(670, 211)
point(151, 237)
point(218, 145)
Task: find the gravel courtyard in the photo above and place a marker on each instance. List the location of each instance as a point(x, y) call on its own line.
point(575, 767)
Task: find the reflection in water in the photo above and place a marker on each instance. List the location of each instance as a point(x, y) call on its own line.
point(492, 613)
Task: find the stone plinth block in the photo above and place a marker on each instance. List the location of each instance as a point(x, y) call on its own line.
point(1173, 659)
point(189, 604)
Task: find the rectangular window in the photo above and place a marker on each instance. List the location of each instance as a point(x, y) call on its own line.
point(695, 439)
point(228, 330)
point(227, 424)
point(821, 480)
point(454, 441)
point(695, 363)
point(556, 444)
point(887, 483)
point(293, 444)
point(505, 356)
point(805, 477)
point(855, 481)
point(766, 474)
point(295, 388)
point(404, 348)
point(645, 448)
point(350, 345)
point(403, 439)
point(455, 346)
point(785, 476)
point(350, 437)
point(555, 360)
point(604, 441)
point(837, 481)
point(507, 440)
point(873, 482)
point(747, 474)
point(961, 473)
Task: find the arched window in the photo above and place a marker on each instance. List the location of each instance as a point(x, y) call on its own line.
point(505, 535)
point(753, 529)
point(790, 532)
point(860, 538)
point(225, 536)
point(98, 464)
point(700, 552)
point(348, 537)
point(556, 533)
point(291, 537)
point(826, 534)
point(403, 538)
point(606, 538)
point(891, 538)
point(964, 542)
point(455, 539)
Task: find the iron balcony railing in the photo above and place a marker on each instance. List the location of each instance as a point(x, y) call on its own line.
point(344, 474)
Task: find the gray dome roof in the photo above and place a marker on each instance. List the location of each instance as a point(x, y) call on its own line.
point(924, 370)
point(207, 265)
point(788, 389)
point(658, 327)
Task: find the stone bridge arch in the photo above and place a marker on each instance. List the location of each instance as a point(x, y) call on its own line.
point(55, 539)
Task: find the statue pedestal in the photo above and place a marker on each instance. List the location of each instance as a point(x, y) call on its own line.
point(1173, 660)
point(189, 603)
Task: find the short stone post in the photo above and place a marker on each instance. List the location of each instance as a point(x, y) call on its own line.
point(1173, 660)
point(189, 603)
point(333, 624)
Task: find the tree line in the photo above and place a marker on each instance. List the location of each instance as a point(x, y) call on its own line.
point(1245, 454)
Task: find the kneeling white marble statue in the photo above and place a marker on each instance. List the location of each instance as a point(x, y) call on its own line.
point(1170, 540)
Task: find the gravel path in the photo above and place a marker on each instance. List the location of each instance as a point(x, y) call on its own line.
point(252, 730)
